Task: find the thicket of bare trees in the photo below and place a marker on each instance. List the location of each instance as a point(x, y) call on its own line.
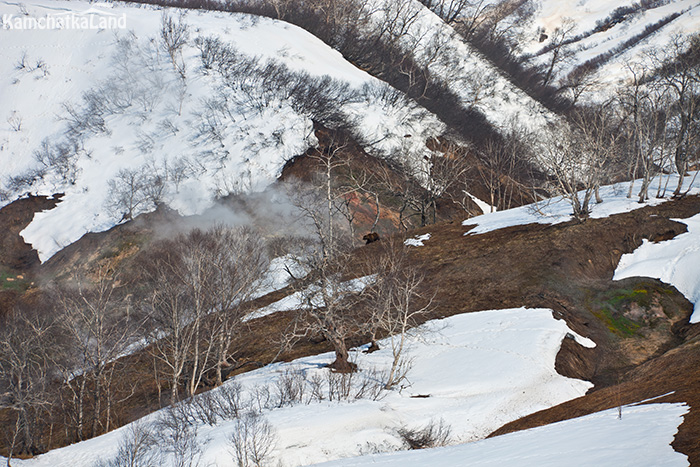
point(200, 286)
point(27, 368)
point(648, 129)
point(60, 363)
point(99, 326)
point(62, 369)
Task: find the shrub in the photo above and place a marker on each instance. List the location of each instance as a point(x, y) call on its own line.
point(252, 440)
point(434, 434)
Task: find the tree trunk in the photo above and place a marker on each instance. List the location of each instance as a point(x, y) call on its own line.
point(98, 406)
point(81, 409)
point(195, 368)
point(173, 388)
point(342, 362)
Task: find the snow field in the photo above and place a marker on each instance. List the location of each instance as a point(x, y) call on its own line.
point(169, 127)
point(552, 14)
point(641, 438)
point(558, 210)
point(475, 372)
point(675, 261)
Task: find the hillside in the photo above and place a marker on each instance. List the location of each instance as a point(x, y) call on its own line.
point(521, 266)
point(404, 232)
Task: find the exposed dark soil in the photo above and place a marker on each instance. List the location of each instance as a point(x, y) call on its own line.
point(18, 260)
point(569, 268)
point(640, 325)
point(15, 253)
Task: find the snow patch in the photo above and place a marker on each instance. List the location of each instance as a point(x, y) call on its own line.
point(417, 240)
point(675, 261)
point(642, 438)
point(558, 210)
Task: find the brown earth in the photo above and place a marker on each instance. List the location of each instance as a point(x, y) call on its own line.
point(640, 325)
point(379, 177)
point(569, 268)
point(18, 260)
point(15, 253)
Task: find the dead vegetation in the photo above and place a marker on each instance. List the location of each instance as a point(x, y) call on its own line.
point(567, 267)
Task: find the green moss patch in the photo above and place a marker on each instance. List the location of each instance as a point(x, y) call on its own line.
point(626, 310)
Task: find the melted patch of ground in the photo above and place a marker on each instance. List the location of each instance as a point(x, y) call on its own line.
point(17, 258)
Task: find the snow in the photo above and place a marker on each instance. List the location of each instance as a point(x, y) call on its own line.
point(641, 438)
point(478, 84)
point(164, 129)
point(475, 371)
point(582, 17)
point(552, 14)
point(483, 205)
point(277, 276)
point(675, 261)
point(417, 240)
point(297, 301)
point(558, 210)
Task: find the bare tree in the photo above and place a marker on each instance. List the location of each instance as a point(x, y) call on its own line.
point(466, 15)
point(559, 54)
point(643, 114)
point(397, 303)
point(502, 161)
point(27, 350)
point(324, 293)
point(456, 176)
point(100, 326)
point(397, 18)
point(138, 190)
point(126, 193)
point(252, 440)
point(15, 121)
point(678, 70)
point(170, 314)
point(434, 434)
point(181, 301)
point(201, 284)
point(598, 138)
point(417, 185)
point(240, 262)
point(137, 448)
point(175, 34)
point(576, 157)
point(177, 437)
point(579, 82)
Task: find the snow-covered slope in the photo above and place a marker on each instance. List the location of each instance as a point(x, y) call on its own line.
point(558, 210)
point(675, 261)
point(597, 27)
point(614, 35)
point(480, 85)
point(475, 372)
point(112, 101)
point(641, 438)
